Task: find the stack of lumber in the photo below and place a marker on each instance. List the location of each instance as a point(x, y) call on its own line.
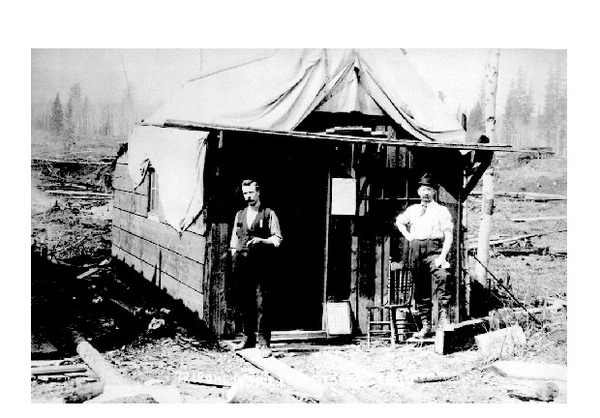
point(57, 370)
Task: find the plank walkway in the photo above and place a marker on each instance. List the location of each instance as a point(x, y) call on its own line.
point(294, 378)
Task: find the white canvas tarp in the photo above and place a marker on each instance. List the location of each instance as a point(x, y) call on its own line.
point(279, 90)
point(178, 158)
point(276, 91)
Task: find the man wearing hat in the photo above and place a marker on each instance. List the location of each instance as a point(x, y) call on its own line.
point(428, 228)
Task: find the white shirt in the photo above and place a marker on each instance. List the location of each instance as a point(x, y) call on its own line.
point(431, 225)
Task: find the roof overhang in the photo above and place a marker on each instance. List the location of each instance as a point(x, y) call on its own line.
point(409, 143)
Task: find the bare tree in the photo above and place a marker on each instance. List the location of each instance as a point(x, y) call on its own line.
point(487, 199)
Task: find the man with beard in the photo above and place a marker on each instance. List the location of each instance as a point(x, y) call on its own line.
point(428, 228)
point(255, 236)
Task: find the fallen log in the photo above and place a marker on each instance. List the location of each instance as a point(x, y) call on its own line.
point(58, 369)
point(79, 374)
point(87, 273)
point(116, 386)
point(193, 381)
point(521, 251)
point(84, 393)
point(66, 186)
point(533, 391)
point(52, 378)
point(436, 378)
point(99, 365)
point(530, 371)
point(539, 197)
point(35, 161)
point(517, 238)
point(541, 218)
point(73, 193)
point(125, 307)
point(45, 363)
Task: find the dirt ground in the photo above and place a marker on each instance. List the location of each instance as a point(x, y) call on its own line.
point(154, 343)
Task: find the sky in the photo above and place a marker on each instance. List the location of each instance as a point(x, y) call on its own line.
point(459, 73)
point(157, 73)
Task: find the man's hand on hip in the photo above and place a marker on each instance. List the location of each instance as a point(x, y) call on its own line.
point(441, 262)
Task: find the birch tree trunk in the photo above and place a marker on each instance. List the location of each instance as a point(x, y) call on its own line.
point(487, 197)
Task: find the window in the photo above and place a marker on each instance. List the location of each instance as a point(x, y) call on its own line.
point(152, 192)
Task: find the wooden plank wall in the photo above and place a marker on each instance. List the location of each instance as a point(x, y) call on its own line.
point(369, 271)
point(371, 242)
point(452, 204)
point(154, 249)
point(218, 312)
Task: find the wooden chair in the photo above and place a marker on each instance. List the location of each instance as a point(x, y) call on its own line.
point(393, 320)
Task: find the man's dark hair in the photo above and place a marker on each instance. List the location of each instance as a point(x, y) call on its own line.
point(249, 182)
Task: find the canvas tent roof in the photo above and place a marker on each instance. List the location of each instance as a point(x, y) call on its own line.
point(278, 90)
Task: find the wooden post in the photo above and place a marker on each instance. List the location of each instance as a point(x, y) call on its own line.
point(354, 273)
point(487, 200)
point(354, 276)
point(379, 289)
point(326, 251)
point(459, 245)
point(464, 262)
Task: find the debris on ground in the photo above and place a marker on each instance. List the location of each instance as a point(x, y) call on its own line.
point(501, 343)
point(143, 335)
point(533, 391)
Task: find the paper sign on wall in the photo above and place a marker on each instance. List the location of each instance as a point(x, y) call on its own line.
point(343, 196)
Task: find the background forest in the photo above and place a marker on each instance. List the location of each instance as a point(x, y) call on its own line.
point(522, 122)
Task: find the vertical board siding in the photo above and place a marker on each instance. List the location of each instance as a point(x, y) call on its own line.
point(219, 314)
point(378, 277)
point(452, 204)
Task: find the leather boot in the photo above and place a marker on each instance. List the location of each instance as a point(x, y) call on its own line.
point(264, 351)
point(443, 321)
point(245, 343)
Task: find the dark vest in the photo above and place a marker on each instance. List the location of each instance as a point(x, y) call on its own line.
point(259, 228)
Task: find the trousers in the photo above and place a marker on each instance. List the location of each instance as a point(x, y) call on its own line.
point(252, 281)
point(422, 255)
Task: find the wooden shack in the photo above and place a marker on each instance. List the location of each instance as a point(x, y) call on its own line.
point(337, 172)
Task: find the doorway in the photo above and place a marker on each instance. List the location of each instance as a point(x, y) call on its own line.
point(293, 178)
